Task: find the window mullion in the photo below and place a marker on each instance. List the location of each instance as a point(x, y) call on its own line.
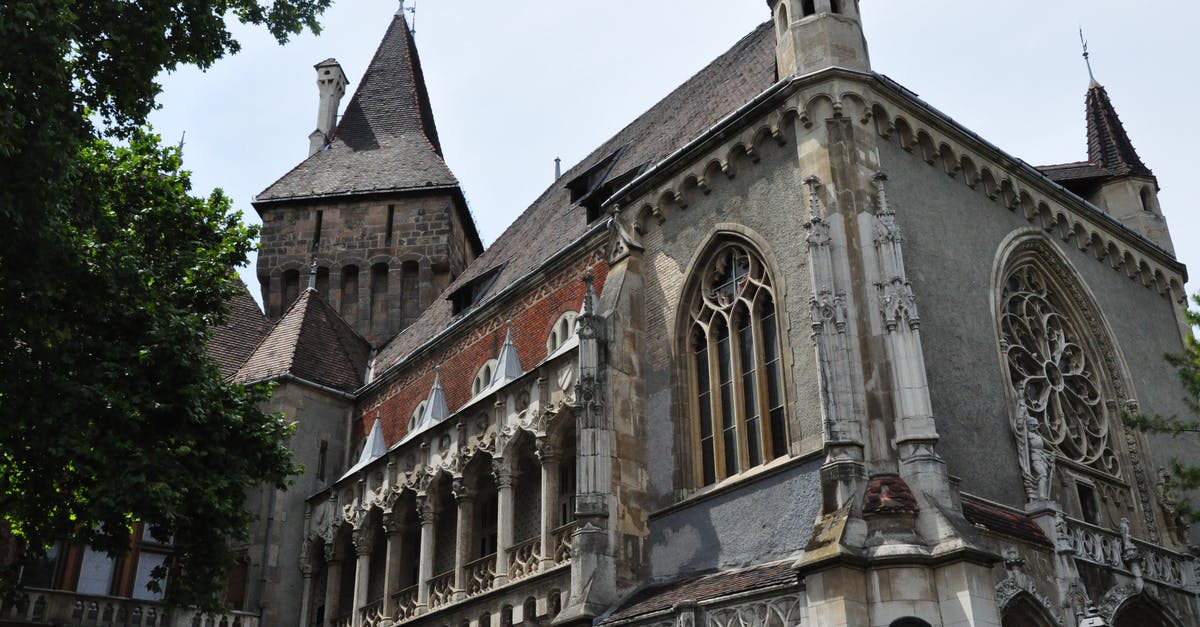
point(714, 399)
point(739, 398)
point(760, 382)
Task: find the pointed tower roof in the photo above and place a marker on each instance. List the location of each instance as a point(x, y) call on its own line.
point(508, 364)
point(310, 342)
point(1108, 144)
point(436, 409)
point(386, 140)
point(373, 449)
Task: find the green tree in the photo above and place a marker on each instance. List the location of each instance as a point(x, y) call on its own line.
point(1183, 477)
point(111, 278)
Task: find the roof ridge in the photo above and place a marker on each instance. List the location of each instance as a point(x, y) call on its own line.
point(334, 319)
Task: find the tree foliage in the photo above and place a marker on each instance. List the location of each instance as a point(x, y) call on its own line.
point(1183, 477)
point(111, 278)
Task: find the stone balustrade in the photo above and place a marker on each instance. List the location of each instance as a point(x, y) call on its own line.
point(371, 614)
point(1122, 552)
point(561, 542)
point(72, 609)
point(441, 589)
point(480, 574)
point(406, 603)
point(524, 559)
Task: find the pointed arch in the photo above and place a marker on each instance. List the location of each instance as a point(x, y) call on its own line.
point(730, 362)
point(1025, 610)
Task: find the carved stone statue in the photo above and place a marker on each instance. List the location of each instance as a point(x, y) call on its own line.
point(1037, 460)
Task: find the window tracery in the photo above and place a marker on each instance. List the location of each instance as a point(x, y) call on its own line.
point(733, 360)
point(483, 378)
point(1053, 372)
point(564, 329)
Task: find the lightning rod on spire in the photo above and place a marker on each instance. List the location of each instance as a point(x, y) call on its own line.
point(1086, 57)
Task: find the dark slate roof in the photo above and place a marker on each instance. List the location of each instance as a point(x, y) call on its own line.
point(386, 140)
point(699, 589)
point(1110, 152)
point(311, 342)
point(232, 343)
point(552, 222)
point(1108, 144)
point(1002, 521)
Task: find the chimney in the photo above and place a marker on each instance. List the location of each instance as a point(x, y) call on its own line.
point(331, 82)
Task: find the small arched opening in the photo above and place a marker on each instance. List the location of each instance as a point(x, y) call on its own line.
point(808, 7)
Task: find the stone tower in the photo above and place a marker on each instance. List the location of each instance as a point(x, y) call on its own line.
point(1114, 178)
point(374, 203)
point(813, 35)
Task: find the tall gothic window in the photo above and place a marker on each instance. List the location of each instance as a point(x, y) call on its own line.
point(734, 367)
point(1053, 372)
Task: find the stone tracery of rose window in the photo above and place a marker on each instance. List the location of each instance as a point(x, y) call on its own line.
point(1052, 369)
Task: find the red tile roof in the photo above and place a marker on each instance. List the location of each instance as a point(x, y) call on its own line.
point(232, 343)
point(311, 342)
point(665, 596)
point(1003, 521)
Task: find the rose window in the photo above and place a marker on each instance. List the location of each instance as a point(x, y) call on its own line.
point(1053, 373)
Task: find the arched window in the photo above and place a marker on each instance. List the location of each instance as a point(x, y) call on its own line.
point(416, 415)
point(483, 378)
point(1053, 370)
point(781, 19)
point(734, 368)
point(564, 328)
point(1147, 197)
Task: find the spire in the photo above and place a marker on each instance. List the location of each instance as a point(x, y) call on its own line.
point(436, 409)
point(508, 366)
point(391, 100)
point(373, 449)
point(1108, 144)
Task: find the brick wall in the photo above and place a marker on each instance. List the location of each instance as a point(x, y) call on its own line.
point(533, 314)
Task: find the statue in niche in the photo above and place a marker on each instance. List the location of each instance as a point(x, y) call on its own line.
point(1037, 460)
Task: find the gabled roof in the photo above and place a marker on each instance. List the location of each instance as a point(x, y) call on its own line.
point(386, 140)
point(1110, 152)
point(552, 222)
point(232, 343)
point(310, 342)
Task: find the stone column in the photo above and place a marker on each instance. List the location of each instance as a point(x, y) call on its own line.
point(465, 497)
point(393, 526)
point(364, 540)
point(333, 581)
point(504, 517)
point(549, 456)
point(429, 518)
point(306, 571)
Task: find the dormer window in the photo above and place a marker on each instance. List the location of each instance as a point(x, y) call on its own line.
point(416, 415)
point(596, 184)
point(473, 291)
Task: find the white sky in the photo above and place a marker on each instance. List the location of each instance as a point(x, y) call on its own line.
point(515, 84)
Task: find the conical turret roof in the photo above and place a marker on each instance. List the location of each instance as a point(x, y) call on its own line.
point(1108, 143)
point(386, 140)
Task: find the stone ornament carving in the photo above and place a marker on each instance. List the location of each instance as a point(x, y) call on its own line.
point(1053, 373)
point(1016, 583)
point(1121, 551)
point(364, 540)
point(782, 611)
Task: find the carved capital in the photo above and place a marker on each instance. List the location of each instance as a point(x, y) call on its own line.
point(504, 474)
point(547, 452)
point(428, 513)
point(364, 540)
point(393, 522)
point(462, 493)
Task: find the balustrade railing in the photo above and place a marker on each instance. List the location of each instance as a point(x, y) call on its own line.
point(480, 574)
point(560, 542)
point(1115, 550)
point(406, 603)
point(343, 621)
point(73, 609)
point(371, 614)
point(441, 589)
point(524, 558)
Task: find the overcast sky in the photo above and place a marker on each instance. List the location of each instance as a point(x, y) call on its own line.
point(515, 84)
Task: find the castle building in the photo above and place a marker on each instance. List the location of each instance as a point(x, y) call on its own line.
point(792, 348)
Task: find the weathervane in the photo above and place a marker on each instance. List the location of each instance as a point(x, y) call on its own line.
point(1086, 60)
